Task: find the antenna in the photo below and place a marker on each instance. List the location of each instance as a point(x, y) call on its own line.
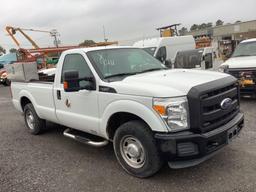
point(104, 34)
point(143, 38)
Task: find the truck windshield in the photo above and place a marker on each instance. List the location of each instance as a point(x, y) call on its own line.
point(123, 62)
point(150, 50)
point(245, 49)
point(188, 59)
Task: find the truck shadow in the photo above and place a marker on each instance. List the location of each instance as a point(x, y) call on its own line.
point(212, 168)
point(56, 131)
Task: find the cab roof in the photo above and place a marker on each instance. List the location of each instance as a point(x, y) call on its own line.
point(87, 49)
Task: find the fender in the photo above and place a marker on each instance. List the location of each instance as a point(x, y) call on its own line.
point(24, 93)
point(149, 116)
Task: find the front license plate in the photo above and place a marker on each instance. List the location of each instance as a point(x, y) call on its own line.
point(232, 133)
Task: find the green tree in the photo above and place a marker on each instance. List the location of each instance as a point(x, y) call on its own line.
point(238, 21)
point(183, 31)
point(13, 50)
point(2, 50)
point(194, 27)
point(87, 43)
point(208, 25)
point(219, 22)
point(202, 26)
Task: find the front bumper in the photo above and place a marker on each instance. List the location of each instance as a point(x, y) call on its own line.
point(248, 89)
point(247, 83)
point(186, 149)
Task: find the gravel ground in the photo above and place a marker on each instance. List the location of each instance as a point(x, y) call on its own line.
point(51, 162)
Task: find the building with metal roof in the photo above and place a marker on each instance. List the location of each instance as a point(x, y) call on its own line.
point(235, 31)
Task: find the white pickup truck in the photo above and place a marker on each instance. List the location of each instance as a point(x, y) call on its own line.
point(124, 95)
point(242, 65)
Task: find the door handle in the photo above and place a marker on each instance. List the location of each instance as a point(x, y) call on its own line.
point(58, 95)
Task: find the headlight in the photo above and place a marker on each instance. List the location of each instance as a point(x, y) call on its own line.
point(174, 111)
point(223, 68)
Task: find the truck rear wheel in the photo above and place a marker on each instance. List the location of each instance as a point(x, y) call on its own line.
point(136, 149)
point(34, 124)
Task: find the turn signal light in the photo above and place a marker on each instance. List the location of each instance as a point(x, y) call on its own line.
point(159, 109)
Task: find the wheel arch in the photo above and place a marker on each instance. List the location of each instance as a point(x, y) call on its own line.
point(25, 98)
point(122, 111)
point(119, 118)
point(24, 101)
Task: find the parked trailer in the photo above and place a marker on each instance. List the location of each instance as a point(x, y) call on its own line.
point(202, 58)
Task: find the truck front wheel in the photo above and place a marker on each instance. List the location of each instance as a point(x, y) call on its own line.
point(136, 149)
point(34, 124)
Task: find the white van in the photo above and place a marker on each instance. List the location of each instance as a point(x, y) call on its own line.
point(166, 48)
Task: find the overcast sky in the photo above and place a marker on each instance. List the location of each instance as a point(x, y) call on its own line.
point(124, 20)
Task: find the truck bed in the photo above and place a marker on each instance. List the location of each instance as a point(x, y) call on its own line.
point(40, 93)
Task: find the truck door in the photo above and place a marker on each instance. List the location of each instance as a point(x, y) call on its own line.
point(77, 110)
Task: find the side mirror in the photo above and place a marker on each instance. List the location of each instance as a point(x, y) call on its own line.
point(72, 82)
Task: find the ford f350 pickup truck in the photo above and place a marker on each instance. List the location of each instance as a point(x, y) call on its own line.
point(242, 65)
point(124, 95)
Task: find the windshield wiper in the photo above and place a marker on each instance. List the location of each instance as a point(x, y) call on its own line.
point(127, 74)
point(119, 74)
point(154, 69)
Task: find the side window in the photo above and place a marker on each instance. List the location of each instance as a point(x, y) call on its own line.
point(161, 54)
point(76, 62)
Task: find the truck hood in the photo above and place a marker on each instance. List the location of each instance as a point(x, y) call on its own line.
point(241, 62)
point(166, 83)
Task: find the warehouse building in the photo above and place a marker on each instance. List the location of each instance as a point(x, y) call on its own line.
point(236, 31)
point(225, 37)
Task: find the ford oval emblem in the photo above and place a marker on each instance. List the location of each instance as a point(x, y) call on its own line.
point(226, 103)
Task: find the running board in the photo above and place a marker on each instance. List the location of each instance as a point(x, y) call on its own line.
point(85, 138)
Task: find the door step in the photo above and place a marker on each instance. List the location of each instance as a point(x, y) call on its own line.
point(85, 138)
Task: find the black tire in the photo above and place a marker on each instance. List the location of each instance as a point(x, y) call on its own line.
point(142, 135)
point(7, 82)
point(38, 124)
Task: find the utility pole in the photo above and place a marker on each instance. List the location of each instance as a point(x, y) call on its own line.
point(104, 34)
point(54, 33)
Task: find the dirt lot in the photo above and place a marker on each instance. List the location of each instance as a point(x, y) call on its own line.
point(51, 162)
